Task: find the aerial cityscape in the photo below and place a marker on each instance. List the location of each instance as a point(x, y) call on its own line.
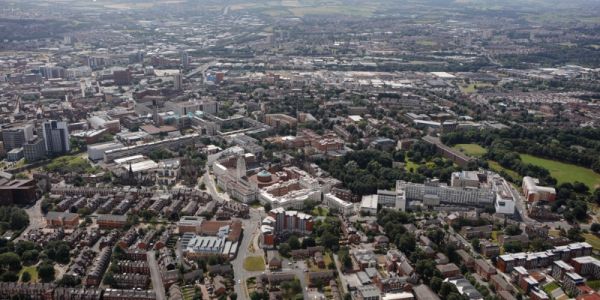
point(299, 149)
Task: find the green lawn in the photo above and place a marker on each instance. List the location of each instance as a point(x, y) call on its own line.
point(411, 165)
point(471, 88)
point(471, 149)
point(254, 263)
point(592, 239)
point(564, 172)
point(320, 211)
point(594, 284)
point(548, 288)
point(32, 271)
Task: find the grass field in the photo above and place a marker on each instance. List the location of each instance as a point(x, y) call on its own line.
point(564, 172)
point(320, 211)
point(593, 240)
point(32, 271)
point(548, 288)
point(411, 165)
point(254, 263)
point(594, 284)
point(471, 149)
point(473, 87)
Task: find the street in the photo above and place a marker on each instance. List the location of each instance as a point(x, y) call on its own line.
point(157, 283)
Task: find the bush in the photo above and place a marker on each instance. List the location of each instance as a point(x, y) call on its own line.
point(25, 277)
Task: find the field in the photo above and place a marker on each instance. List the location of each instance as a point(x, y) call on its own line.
point(564, 172)
point(473, 150)
point(548, 288)
point(594, 284)
point(254, 263)
point(32, 271)
point(591, 239)
point(473, 87)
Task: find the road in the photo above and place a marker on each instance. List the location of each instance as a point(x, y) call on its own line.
point(157, 283)
point(210, 186)
point(239, 273)
point(36, 219)
point(201, 69)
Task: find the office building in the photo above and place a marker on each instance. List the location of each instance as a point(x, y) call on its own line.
point(56, 137)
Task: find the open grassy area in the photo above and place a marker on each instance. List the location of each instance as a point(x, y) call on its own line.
point(548, 288)
point(71, 163)
point(473, 87)
point(254, 263)
point(320, 211)
point(473, 150)
point(594, 284)
point(32, 271)
point(564, 172)
point(592, 240)
point(410, 165)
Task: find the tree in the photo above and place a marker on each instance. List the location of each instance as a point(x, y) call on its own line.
point(512, 230)
point(294, 242)
point(284, 249)
point(435, 283)
point(330, 241)
point(233, 296)
point(595, 228)
point(308, 242)
point(476, 244)
point(10, 261)
point(46, 272)
point(9, 276)
point(25, 277)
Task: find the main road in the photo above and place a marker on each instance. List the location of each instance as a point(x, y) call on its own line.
point(240, 274)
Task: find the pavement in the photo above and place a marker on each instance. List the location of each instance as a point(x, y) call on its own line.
point(157, 283)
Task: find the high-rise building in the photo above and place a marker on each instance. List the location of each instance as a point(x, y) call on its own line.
point(177, 81)
point(34, 150)
point(16, 136)
point(185, 60)
point(56, 137)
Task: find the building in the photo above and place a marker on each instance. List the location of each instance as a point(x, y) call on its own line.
point(56, 137)
point(96, 151)
point(337, 204)
point(448, 270)
point(62, 219)
point(111, 221)
point(533, 192)
point(534, 260)
point(18, 191)
point(368, 292)
point(368, 205)
point(484, 269)
point(587, 266)
point(34, 150)
point(16, 135)
point(281, 221)
point(392, 199)
point(435, 193)
point(423, 292)
point(280, 120)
